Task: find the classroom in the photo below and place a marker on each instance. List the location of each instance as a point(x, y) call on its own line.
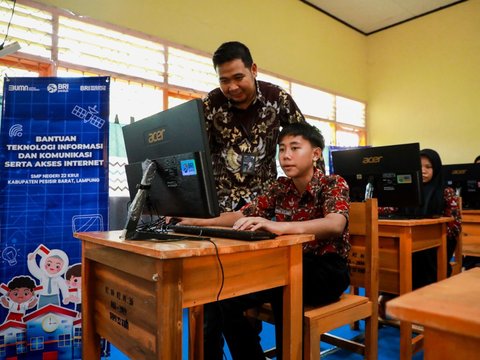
point(415, 82)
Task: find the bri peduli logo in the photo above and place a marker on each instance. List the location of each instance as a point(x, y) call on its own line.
point(61, 87)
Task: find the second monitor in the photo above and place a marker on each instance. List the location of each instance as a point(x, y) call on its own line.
point(392, 174)
point(465, 179)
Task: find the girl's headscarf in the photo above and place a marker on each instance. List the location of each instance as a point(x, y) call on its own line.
point(433, 202)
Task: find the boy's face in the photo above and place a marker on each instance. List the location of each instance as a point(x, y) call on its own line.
point(297, 156)
point(20, 295)
point(75, 282)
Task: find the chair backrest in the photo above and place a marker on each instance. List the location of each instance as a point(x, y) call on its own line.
point(363, 257)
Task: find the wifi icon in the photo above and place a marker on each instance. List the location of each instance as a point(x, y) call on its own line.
point(15, 130)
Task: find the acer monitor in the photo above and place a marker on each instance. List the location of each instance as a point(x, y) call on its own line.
point(175, 141)
point(465, 179)
point(392, 174)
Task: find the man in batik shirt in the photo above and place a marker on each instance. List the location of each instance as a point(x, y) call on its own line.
point(243, 118)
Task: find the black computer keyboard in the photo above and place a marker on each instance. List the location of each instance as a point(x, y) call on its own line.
point(163, 236)
point(221, 232)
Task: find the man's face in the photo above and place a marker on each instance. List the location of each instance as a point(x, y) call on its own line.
point(237, 82)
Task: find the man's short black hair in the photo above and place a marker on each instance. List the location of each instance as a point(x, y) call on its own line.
point(307, 131)
point(232, 50)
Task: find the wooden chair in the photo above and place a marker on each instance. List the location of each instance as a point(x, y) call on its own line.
point(456, 263)
point(363, 227)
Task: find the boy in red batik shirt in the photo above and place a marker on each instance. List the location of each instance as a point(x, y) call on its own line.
point(306, 201)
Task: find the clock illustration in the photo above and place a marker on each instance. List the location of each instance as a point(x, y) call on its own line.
point(50, 323)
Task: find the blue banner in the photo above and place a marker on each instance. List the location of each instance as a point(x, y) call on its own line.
point(53, 182)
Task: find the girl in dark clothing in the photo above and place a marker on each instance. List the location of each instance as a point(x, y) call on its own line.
point(437, 200)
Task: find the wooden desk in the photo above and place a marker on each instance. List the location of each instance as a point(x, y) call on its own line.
point(450, 313)
point(398, 240)
point(471, 232)
point(134, 291)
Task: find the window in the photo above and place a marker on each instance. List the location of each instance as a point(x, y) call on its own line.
point(21, 348)
point(36, 343)
point(147, 75)
point(64, 340)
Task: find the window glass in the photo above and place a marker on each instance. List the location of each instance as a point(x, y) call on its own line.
point(100, 48)
point(347, 138)
point(191, 71)
point(31, 28)
point(325, 128)
point(284, 84)
point(350, 111)
point(314, 102)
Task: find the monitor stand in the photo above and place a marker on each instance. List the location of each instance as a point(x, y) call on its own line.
point(136, 207)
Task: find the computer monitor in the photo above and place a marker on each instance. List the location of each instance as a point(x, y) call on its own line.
point(182, 184)
point(465, 179)
point(392, 174)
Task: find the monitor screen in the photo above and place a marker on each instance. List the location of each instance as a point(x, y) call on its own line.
point(392, 174)
point(176, 141)
point(465, 179)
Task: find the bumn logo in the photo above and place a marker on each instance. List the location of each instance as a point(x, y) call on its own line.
point(18, 88)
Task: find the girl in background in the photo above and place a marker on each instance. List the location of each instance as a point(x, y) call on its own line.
point(438, 200)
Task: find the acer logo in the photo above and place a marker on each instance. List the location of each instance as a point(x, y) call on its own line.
point(156, 136)
point(459, 172)
point(372, 159)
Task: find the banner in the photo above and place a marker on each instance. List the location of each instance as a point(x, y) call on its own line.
point(53, 182)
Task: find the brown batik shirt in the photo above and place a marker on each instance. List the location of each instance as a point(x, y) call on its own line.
point(241, 139)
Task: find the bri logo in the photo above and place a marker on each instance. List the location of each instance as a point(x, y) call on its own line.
point(61, 87)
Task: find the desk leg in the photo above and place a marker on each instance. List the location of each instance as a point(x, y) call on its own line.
point(90, 338)
point(195, 333)
point(405, 277)
point(169, 309)
point(442, 255)
point(293, 307)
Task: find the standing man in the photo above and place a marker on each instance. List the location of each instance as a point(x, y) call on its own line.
point(243, 120)
point(244, 116)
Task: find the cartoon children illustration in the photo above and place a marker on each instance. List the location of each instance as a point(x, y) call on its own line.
point(53, 264)
point(74, 282)
point(19, 297)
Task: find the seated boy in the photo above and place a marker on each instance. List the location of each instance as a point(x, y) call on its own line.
point(306, 201)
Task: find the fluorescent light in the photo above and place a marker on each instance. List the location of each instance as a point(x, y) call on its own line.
point(9, 49)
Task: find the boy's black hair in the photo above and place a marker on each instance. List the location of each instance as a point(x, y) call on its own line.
point(476, 159)
point(74, 270)
point(307, 131)
point(21, 282)
point(232, 50)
